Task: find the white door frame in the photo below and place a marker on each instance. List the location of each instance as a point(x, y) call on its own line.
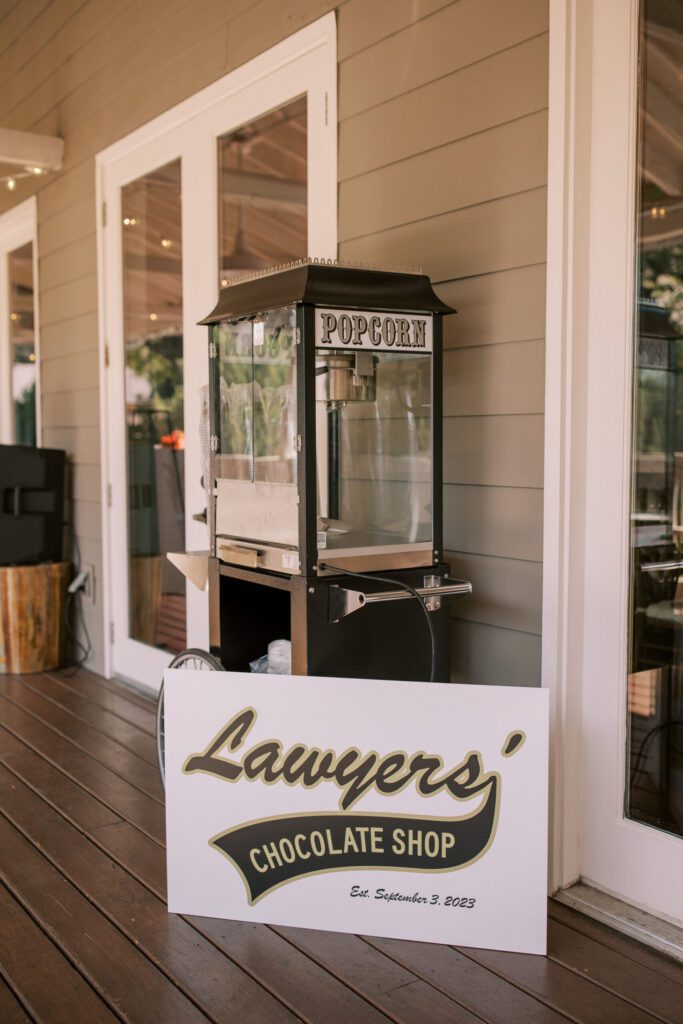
point(590, 318)
point(18, 226)
point(304, 63)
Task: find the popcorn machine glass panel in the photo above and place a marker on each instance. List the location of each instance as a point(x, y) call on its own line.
point(255, 461)
point(374, 448)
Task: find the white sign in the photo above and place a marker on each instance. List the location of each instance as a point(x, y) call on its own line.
point(357, 328)
point(409, 810)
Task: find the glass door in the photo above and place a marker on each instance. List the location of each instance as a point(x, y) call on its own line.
point(625, 627)
point(654, 764)
point(218, 187)
point(155, 424)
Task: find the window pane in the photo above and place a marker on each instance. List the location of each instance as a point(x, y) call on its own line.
point(654, 783)
point(262, 192)
point(22, 344)
point(152, 274)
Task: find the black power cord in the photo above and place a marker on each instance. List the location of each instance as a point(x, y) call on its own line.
point(404, 586)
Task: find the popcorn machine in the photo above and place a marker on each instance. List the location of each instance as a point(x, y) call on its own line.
point(324, 491)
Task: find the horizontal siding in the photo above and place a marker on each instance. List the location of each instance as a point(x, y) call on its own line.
point(82, 446)
point(442, 111)
point(490, 380)
point(71, 408)
point(491, 656)
point(443, 164)
point(506, 592)
point(78, 334)
point(74, 372)
point(498, 162)
point(68, 263)
point(453, 38)
point(495, 308)
point(72, 299)
point(503, 451)
point(362, 25)
point(504, 522)
point(497, 235)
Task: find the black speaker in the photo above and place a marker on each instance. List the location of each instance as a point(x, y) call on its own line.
point(32, 484)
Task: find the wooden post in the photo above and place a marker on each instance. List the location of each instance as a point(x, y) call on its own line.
point(32, 609)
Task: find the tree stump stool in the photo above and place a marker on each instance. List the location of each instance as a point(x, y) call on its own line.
point(32, 608)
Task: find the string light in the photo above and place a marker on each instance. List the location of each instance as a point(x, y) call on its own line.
point(10, 180)
point(130, 221)
point(14, 316)
point(166, 243)
point(153, 316)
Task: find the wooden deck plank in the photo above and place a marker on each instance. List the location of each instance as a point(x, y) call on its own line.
point(631, 981)
point(87, 679)
point(561, 989)
point(43, 977)
point(193, 965)
point(107, 751)
point(127, 801)
point(474, 987)
point(57, 789)
point(125, 733)
point(118, 703)
point(398, 992)
point(313, 993)
point(11, 1010)
point(621, 944)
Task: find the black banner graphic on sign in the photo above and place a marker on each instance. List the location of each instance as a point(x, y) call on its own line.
point(273, 851)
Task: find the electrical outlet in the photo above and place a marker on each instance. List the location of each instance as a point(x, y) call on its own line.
point(89, 588)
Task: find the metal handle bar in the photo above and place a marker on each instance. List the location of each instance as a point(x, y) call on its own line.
point(344, 600)
point(660, 566)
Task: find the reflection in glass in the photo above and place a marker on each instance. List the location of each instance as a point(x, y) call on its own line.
point(255, 388)
point(262, 192)
point(22, 344)
point(654, 783)
point(373, 448)
point(153, 337)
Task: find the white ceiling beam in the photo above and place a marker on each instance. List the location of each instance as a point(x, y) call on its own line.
point(264, 187)
point(28, 149)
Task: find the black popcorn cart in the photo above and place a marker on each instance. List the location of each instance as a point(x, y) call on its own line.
point(324, 497)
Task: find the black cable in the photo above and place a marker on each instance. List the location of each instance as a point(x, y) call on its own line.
point(404, 586)
point(79, 660)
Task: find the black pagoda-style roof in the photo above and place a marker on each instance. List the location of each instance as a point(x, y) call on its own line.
point(328, 284)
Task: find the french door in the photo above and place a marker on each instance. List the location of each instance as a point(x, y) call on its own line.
point(240, 177)
point(620, 776)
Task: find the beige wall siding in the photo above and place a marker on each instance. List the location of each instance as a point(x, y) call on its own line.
point(442, 162)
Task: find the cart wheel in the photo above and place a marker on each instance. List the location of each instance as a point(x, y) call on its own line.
point(193, 658)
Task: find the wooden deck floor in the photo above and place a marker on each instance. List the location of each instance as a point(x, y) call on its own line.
point(85, 935)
